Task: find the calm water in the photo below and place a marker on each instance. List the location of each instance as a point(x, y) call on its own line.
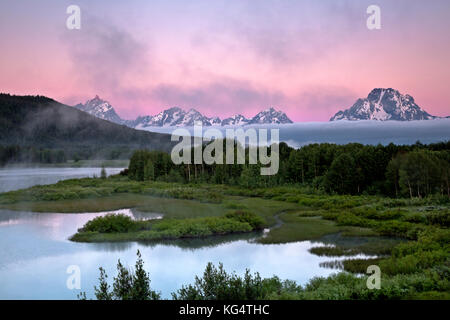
point(35, 254)
point(14, 179)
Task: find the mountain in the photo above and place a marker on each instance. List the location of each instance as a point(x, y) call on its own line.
point(100, 109)
point(236, 120)
point(177, 117)
point(270, 116)
point(384, 104)
point(39, 121)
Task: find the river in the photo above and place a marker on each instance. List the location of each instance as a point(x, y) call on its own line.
point(36, 255)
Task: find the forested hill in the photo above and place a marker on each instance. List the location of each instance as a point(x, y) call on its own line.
point(41, 122)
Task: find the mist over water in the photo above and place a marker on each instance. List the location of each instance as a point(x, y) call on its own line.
point(19, 178)
point(342, 132)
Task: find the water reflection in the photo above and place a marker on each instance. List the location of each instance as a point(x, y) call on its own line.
point(36, 253)
point(60, 226)
point(111, 246)
point(207, 242)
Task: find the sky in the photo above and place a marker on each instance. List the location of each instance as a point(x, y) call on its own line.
point(307, 58)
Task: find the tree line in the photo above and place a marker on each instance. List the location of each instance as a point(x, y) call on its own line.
point(14, 154)
point(17, 154)
point(396, 170)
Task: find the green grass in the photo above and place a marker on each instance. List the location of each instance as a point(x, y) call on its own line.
point(297, 228)
point(171, 208)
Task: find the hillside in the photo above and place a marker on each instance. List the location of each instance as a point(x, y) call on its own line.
point(41, 122)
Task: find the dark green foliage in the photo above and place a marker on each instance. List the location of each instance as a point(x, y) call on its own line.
point(359, 265)
point(342, 176)
point(332, 251)
point(12, 154)
point(103, 173)
point(441, 218)
point(150, 165)
point(166, 229)
point(255, 221)
point(414, 171)
point(103, 290)
point(141, 282)
point(127, 285)
point(109, 223)
point(420, 173)
point(217, 284)
point(123, 283)
point(194, 227)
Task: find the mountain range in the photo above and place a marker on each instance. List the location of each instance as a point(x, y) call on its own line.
point(384, 104)
point(177, 117)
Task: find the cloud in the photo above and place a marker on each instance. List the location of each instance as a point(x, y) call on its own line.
point(110, 61)
point(321, 102)
point(300, 32)
point(220, 97)
point(104, 56)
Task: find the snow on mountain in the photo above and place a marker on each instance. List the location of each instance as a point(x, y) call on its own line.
point(169, 117)
point(101, 109)
point(384, 104)
point(177, 117)
point(194, 117)
point(215, 121)
point(236, 120)
point(270, 116)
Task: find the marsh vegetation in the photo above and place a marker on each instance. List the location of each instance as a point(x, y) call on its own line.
point(399, 211)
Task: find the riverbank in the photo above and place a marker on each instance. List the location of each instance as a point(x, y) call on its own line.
point(408, 238)
point(180, 201)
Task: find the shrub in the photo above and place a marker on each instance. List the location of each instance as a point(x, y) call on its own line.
point(217, 284)
point(110, 223)
point(349, 219)
point(255, 221)
point(441, 218)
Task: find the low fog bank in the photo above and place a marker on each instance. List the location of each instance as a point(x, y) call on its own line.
point(342, 132)
point(20, 178)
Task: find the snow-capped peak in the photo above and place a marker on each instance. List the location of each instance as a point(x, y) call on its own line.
point(270, 115)
point(101, 109)
point(177, 117)
point(236, 120)
point(384, 104)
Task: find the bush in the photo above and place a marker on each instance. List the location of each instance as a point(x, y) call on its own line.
point(441, 218)
point(217, 284)
point(255, 221)
point(109, 223)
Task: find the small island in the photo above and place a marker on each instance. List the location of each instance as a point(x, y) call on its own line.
point(123, 228)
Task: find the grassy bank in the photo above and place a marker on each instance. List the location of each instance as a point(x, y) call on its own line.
point(409, 237)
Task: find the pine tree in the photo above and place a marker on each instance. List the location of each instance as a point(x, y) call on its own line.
point(141, 282)
point(123, 283)
point(102, 292)
point(103, 173)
